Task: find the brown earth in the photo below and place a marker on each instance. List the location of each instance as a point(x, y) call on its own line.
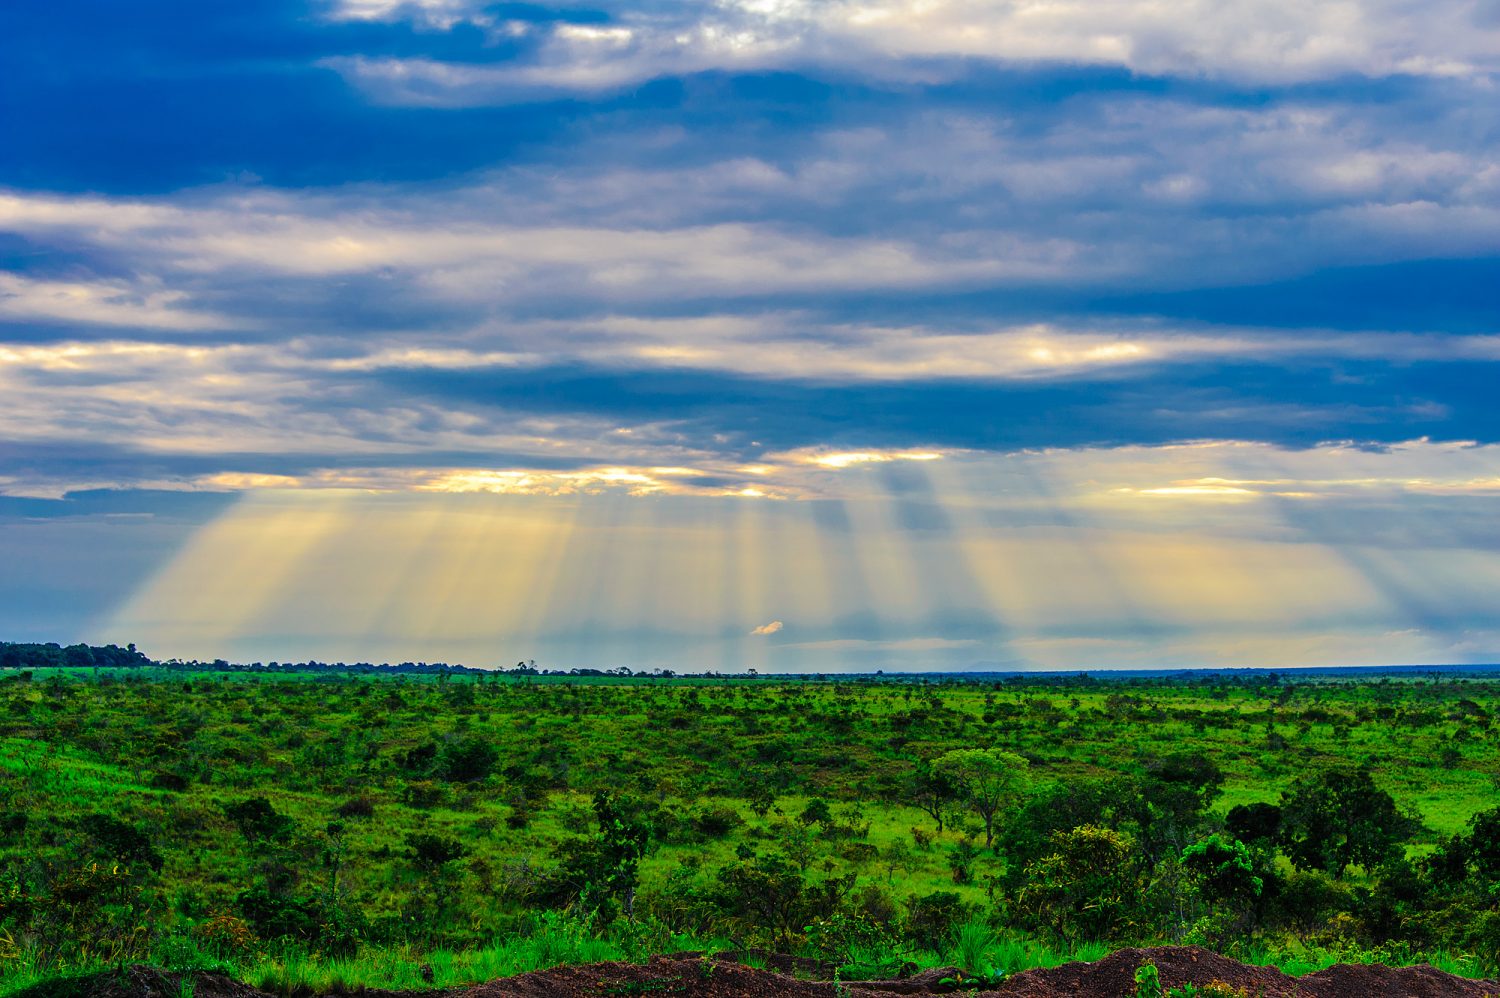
point(695, 976)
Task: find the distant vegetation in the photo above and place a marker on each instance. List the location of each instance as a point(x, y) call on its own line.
point(376, 827)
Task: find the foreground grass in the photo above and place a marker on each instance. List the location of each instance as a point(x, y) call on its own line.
point(976, 948)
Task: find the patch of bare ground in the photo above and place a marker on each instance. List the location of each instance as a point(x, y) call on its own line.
point(1114, 976)
point(138, 981)
point(687, 975)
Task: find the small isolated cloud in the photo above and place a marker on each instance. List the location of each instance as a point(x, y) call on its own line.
point(770, 628)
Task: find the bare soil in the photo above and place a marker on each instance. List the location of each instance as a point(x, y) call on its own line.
point(685, 975)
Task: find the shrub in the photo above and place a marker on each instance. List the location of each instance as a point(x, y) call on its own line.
point(932, 918)
point(430, 853)
point(467, 760)
point(716, 822)
point(120, 842)
point(356, 807)
point(167, 780)
point(258, 821)
point(225, 936)
point(1308, 900)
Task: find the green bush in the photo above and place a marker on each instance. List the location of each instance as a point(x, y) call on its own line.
point(932, 919)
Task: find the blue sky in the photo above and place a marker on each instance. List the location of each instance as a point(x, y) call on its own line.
point(953, 333)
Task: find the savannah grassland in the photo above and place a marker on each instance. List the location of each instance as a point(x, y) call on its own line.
point(400, 830)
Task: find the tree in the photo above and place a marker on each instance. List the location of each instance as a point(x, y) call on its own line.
point(986, 779)
point(1476, 853)
point(599, 873)
point(1225, 868)
point(761, 799)
point(934, 791)
point(622, 844)
point(1255, 824)
point(1190, 769)
point(1088, 886)
point(1338, 817)
point(817, 812)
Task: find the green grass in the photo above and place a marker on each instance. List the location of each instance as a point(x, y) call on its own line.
point(72, 744)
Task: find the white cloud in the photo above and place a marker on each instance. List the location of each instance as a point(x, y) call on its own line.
point(1122, 191)
point(95, 302)
point(1273, 41)
point(770, 628)
point(469, 260)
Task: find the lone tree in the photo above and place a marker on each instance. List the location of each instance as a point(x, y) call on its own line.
point(986, 780)
point(1339, 817)
point(622, 844)
point(933, 790)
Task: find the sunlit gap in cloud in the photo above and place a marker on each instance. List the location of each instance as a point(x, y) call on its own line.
point(1213, 554)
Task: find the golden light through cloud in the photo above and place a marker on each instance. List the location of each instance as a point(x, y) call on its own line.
point(906, 560)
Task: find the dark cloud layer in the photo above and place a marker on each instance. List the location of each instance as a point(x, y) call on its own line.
point(1287, 405)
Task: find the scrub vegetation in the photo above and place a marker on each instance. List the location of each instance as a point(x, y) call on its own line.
point(332, 828)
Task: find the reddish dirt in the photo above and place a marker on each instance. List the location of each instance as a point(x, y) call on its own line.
point(1114, 977)
point(140, 982)
point(694, 976)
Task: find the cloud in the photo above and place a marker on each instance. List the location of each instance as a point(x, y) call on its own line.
point(473, 261)
point(108, 303)
point(1038, 255)
point(907, 40)
point(1123, 190)
point(770, 628)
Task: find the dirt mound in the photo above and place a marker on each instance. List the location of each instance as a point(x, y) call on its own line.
point(691, 975)
point(138, 981)
point(1422, 981)
point(1114, 977)
point(1177, 965)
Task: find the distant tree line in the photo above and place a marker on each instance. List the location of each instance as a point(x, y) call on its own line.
point(20, 655)
point(54, 656)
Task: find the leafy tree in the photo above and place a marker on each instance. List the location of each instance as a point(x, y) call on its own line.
point(1339, 817)
point(987, 779)
point(1225, 868)
point(1255, 824)
point(1191, 770)
point(817, 812)
point(600, 872)
point(1484, 845)
point(622, 844)
point(764, 894)
point(760, 796)
point(1472, 855)
point(932, 918)
point(961, 861)
point(1088, 886)
point(933, 790)
point(1058, 808)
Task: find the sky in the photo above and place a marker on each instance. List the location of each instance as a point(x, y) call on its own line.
point(795, 335)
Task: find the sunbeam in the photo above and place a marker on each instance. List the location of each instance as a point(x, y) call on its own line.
point(1048, 560)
